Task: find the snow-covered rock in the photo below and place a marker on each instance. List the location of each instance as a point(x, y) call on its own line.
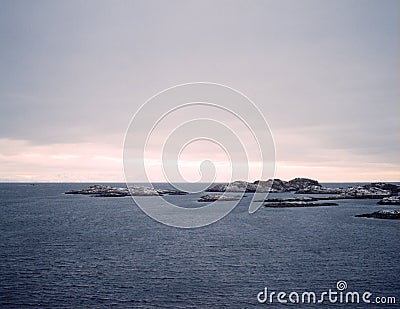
point(143, 191)
point(383, 214)
point(101, 191)
point(218, 197)
point(108, 191)
point(392, 200)
point(298, 204)
point(365, 192)
point(357, 192)
point(270, 185)
point(319, 190)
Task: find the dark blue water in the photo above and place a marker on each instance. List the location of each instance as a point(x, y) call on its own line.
point(61, 250)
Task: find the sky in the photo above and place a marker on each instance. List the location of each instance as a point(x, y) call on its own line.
point(325, 74)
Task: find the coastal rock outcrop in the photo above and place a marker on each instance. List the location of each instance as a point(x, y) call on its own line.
point(301, 183)
point(108, 191)
point(270, 185)
point(319, 190)
point(391, 200)
point(358, 192)
point(218, 197)
point(394, 189)
point(383, 214)
point(298, 204)
point(292, 199)
point(101, 191)
point(365, 192)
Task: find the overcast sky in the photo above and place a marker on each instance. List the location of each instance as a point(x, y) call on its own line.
point(326, 75)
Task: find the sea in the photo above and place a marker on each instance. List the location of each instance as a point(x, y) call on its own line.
point(76, 251)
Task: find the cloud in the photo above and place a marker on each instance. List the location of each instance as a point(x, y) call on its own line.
point(325, 74)
point(22, 161)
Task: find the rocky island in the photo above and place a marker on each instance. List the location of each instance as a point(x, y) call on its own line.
point(108, 191)
point(262, 186)
point(391, 200)
point(383, 214)
point(301, 201)
point(387, 192)
point(359, 192)
point(218, 197)
point(298, 204)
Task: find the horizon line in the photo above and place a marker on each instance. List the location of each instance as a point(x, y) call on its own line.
point(165, 182)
